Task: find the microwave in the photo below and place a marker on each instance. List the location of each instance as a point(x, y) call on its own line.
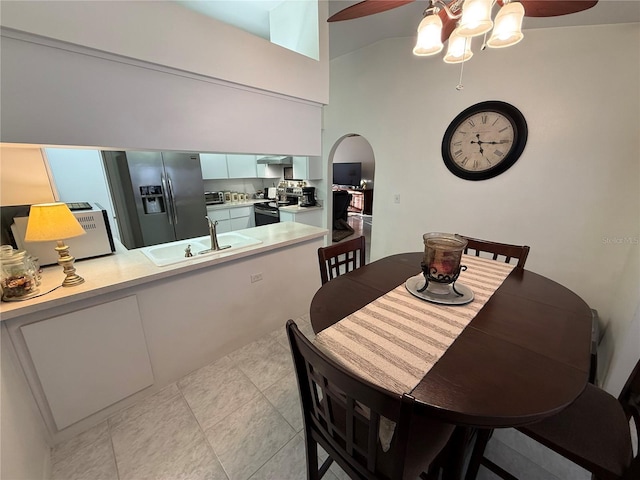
point(97, 241)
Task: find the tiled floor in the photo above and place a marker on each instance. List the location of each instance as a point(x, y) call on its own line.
point(238, 419)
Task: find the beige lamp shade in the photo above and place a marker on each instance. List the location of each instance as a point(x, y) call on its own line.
point(459, 49)
point(51, 221)
point(476, 18)
point(429, 36)
point(508, 26)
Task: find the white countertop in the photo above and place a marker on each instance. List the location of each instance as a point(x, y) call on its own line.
point(128, 268)
point(250, 203)
point(299, 209)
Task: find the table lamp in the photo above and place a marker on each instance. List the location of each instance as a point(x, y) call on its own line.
point(54, 221)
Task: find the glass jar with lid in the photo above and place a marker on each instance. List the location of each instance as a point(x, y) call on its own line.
point(19, 276)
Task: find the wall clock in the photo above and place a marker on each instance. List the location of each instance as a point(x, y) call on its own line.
point(484, 140)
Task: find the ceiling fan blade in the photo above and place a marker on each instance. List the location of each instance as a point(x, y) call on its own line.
point(554, 8)
point(366, 7)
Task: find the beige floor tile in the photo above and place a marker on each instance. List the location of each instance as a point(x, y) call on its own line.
point(215, 391)
point(249, 437)
point(165, 442)
point(95, 461)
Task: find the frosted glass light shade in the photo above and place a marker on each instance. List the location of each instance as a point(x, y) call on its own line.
point(508, 26)
point(476, 18)
point(51, 221)
point(459, 49)
point(429, 36)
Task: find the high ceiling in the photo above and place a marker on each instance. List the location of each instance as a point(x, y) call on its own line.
point(350, 35)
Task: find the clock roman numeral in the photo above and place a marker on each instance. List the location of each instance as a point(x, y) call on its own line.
point(498, 153)
point(464, 161)
point(505, 128)
point(471, 123)
point(457, 153)
point(457, 144)
point(484, 119)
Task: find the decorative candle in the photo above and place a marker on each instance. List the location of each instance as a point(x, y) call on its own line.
point(442, 253)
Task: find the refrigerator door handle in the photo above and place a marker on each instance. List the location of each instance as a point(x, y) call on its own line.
point(167, 199)
point(173, 201)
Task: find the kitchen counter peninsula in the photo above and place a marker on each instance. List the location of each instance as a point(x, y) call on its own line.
point(128, 268)
point(133, 328)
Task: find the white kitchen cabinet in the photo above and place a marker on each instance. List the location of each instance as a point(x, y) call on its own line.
point(89, 359)
point(308, 217)
point(241, 218)
point(307, 168)
point(242, 166)
point(223, 218)
point(214, 165)
point(269, 171)
point(234, 218)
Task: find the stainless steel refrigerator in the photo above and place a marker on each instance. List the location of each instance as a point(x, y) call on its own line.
point(158, 196)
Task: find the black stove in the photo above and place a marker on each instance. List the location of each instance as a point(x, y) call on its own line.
point(266, 213)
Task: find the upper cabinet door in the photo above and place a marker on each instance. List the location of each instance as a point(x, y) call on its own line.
point(214, 165)
point(307, 168)
point(242, 166)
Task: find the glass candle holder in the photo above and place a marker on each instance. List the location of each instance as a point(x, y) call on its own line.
point(441, 262)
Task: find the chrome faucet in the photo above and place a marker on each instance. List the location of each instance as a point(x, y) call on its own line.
point(214, 236)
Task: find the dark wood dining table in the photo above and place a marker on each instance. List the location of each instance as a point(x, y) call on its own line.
point(523, 357)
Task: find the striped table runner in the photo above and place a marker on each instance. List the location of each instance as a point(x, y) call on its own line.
point(396, 339)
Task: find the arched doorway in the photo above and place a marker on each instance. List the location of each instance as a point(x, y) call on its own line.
point(352, 170)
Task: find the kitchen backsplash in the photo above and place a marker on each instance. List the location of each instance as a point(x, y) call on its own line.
point(246, 185)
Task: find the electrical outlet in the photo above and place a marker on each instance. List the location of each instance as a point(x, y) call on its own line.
point(396, 198)
point(256, 277)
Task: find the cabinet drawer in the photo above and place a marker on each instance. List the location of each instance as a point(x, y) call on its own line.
point(218, 214)
point(240, 212)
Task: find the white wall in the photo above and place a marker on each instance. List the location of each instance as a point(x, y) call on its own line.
point(57, 94)
point(574, 192)
point(165, 33)
point(25, 451)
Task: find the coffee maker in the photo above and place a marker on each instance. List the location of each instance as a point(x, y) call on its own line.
point(308, 197)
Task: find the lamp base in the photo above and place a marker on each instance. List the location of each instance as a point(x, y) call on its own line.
point(66, 261)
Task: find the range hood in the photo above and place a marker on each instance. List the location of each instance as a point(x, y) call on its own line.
point(275, 160)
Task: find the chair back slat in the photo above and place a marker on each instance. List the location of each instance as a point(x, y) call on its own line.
point(629, 398)
point(505, 250)
point(342, 413)
point(341, 258)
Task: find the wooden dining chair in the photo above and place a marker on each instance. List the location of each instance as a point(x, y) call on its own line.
point(344, 413)
point(499, 251)
point(593, 432)
point(341, 257)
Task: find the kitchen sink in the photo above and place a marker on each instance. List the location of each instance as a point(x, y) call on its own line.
point(171, 253)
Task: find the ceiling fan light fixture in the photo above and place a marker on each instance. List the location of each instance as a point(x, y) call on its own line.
point(459, 49)
point(508, 26)
point(476, 18)
point(429, 36)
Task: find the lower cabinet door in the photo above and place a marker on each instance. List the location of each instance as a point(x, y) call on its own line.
point(89, 359)
point(240, 223)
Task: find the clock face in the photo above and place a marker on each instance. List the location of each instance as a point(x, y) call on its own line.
point(484, 140)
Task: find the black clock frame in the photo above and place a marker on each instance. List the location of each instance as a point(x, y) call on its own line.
point(520, 133)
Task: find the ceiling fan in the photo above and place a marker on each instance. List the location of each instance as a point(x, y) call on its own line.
point(532, 8)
